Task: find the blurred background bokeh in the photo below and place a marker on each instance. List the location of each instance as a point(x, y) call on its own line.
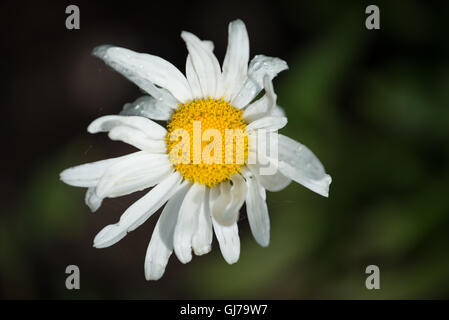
point(373, 105)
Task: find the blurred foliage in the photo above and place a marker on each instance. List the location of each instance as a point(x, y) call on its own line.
point(375, 114)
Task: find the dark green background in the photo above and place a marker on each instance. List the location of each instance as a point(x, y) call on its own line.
point(373, 106)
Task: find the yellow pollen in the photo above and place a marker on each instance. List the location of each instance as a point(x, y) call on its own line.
point(196, 118)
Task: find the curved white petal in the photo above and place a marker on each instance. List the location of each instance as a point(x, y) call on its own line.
point(257, 211)
point(193, 80)
point(202, 239)
point(161, 244)
point(139, 212)
point(145, 69)
point(209, 45)
point(268, 123)
point(134, 174)
point(148, 107)
point(221, 197)
point(264, 106)
point(88, 174)
point(230, 200)
point(150, 128)
point(278, 111)
point(137, 139)
point(191, 75)
point(259, 66)
point(188, 222)
point(298, 163)
point(229, 241)
point(92, 200)
point(275, 182)
point(205, 65)
point(235, 64)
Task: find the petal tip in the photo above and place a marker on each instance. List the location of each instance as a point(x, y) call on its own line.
point(101, 51)
point(202, 250)
point(154, 271)
point(232, 260)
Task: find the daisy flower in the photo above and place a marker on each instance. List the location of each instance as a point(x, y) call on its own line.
point(201, 197)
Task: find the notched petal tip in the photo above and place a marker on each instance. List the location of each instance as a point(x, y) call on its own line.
point(202, 250)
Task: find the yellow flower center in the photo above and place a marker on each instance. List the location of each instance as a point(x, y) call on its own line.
point(207, 141)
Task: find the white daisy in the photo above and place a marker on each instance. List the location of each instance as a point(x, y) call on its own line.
point(200, 198)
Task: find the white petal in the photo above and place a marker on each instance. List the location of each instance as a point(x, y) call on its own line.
point(191, 75)
point(278, 111)
point(137, 139)
point(161, 243)
point(139, 212)
point(202, 239)
point(205, 64)
point(228, 238)
point(188, 222)
point(193, 80)
point(235, 64)
point(275, 182)
point(221, 197)
point(259, 66)
point(256, 208)
point(298, 163)
point(148, 107)
point(268, 123)
point(145, 69)
point(264, 106)
point(134, 174)
point(88, 175)
point(209, 45)
point(147, 126)
point(228, 203)
point(92, 200)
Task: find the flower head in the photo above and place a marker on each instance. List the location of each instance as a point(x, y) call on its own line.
point(209, 160)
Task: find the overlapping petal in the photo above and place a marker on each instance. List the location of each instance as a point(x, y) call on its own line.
point(298, 163)
point(259, 66)
point(145, 70)
point(88, 174)
point(150, 128)
point(139, 212)
point(148, 107)
point(192, 76)
point(229, 240)
point(228, 199)
point(257, 211)
point(160, 247)
point(202, 239)
point(264, 106)
point(269, 123)
point(205, 64)
point(235, 64)
point(188, 222)
point(273, 182)
point(138, 173)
